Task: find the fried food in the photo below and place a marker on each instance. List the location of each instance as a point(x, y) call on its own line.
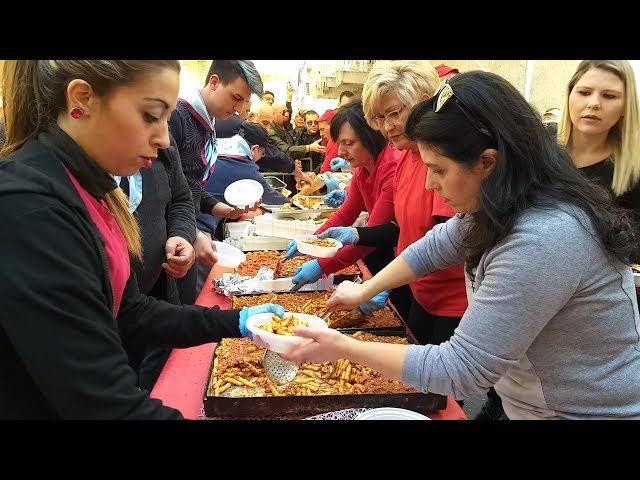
point(283, 326)
point(256, 260)
point(238, 356)
point(320, 243)
point(315, 303)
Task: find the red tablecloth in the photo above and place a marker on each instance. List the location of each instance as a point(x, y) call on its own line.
point(182, 381)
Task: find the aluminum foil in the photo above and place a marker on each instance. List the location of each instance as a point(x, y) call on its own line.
point(234, 284)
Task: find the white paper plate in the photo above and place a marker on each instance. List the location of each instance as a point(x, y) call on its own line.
point(280, 343)
point(315, 250)
point(243, 193)
point(228, 255)
point(388, 413)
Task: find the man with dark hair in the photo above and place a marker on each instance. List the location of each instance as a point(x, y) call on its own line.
point(344, 98)
point(228, 87)
point(310, 135)
point(268, 97)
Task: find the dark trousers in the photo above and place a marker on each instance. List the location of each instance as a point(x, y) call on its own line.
point(428, 328)
point(187, 286)
point(400, 297)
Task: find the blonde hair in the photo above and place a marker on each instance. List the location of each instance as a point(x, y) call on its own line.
point(34, 94)
point(624, 136)
point(410, 80)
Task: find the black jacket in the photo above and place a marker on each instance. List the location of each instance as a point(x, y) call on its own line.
point(61, 353)
point(166, 211)
point(190, 138)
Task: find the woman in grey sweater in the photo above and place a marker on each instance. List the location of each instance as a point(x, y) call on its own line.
point(553, 319)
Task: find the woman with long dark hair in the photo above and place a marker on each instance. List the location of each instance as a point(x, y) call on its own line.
point(553, 318)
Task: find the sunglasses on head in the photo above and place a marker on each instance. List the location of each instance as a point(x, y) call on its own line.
point(444, 93)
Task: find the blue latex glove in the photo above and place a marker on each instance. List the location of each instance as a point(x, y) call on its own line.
point(247, 312)
point(309, 272)
point(335, 198)
point(331, 183)
point(345, 235)
point(376, 303)
point(338, 164)
point(292, 250)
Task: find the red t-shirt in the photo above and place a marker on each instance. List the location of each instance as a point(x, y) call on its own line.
point(330, 153)
point(371, 192)
point(443, 292)
point(114, 243)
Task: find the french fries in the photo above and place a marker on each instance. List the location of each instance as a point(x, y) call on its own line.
point(320, 243)
point(238, 362)
point(283, 326)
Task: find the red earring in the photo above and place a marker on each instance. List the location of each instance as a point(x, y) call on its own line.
point(76, 113)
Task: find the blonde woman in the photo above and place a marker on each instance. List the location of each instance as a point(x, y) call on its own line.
point(601, 130)
point(391, 90)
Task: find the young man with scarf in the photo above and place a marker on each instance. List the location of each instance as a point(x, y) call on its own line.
point(228, 87)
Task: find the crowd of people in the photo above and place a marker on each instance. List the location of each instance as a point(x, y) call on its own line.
point(503, 237)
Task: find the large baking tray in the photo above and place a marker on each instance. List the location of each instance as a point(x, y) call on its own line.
point(401, 329)
point(291, 406)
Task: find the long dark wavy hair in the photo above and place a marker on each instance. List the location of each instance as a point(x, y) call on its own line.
point(531, 169)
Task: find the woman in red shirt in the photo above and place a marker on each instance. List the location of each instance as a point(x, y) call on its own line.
point(374, 162)
point(389, 93)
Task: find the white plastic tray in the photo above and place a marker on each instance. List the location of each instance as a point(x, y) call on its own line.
point(315, 250)
point(261, 242)
point(228, 255)
point(280, 343)
point(273, 227)
point(238, 229)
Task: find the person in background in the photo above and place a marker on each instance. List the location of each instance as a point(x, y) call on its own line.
point(562, 341)
point(298, 124)
point(287, 116)
point(71, 126)
point(285, 142)
point(445, 72)
point(237, 160)
point(601, 130)
point(273, 159)
point(268, 97)
point(345, 97)
point(228, 86)
point(324, 127)
point(310, 136)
